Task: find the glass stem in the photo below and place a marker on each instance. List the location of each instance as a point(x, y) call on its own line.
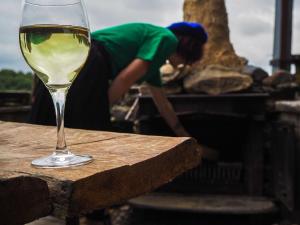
point(59, 99)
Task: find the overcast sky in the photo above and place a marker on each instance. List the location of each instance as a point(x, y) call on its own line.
point(251, 24)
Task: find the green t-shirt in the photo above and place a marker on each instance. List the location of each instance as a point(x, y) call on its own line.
point(126, 42)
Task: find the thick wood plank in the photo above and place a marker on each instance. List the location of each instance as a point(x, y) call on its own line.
point(124, 166)
point(22, 198)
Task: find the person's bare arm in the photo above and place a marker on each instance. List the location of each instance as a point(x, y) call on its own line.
point(167, 112)
point(126, 78)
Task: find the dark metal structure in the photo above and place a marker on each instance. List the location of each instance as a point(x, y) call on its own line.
point(283, 35)
point(282, 56)
point(231, 123)
point(15, 106)
point(256, 149)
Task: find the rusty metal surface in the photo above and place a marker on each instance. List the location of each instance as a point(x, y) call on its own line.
point(218, 204)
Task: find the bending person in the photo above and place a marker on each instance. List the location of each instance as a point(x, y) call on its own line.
point(121, 56)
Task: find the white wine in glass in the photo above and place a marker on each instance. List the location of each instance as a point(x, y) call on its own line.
point(55, 41)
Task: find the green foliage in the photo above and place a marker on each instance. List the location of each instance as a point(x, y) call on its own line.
point(15, 81)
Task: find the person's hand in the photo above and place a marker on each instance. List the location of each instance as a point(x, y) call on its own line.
point(208, 153)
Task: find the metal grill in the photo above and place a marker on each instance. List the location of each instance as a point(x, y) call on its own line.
point(214, 173)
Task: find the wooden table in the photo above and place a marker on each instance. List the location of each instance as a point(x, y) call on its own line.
point(124, 166)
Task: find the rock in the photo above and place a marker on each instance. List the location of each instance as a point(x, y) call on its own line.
point(167, 69)
point(279, 77)
point(173, 75)
point(216, 79)
point(119, 112)
point(213, 15)
point(172, 78)
point(285, 86)
point(256, 73)
point(290, 88)
point(255, 88)
point(144, 90)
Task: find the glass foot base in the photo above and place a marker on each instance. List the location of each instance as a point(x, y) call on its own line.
point(61, 161)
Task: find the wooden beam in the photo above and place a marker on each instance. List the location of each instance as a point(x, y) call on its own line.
point(124, 166)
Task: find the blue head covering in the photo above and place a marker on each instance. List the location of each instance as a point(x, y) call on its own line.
point(189, 28)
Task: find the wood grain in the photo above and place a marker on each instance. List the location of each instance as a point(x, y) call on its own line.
point(124, 166)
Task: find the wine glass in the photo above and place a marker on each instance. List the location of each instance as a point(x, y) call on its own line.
point(55, 42)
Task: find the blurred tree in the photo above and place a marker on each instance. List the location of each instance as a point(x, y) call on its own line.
point(11, 80)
